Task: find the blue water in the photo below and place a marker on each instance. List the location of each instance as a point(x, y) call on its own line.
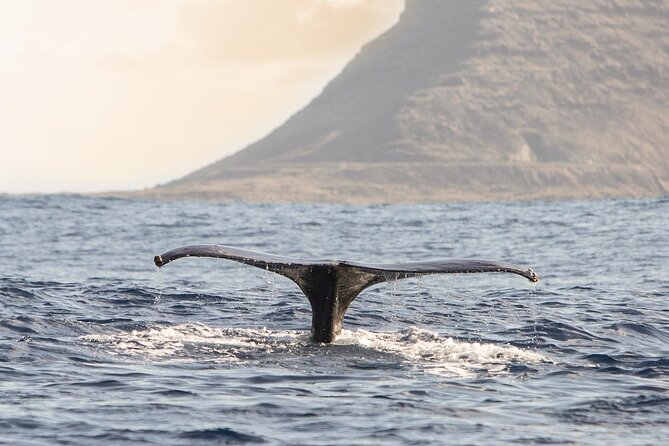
point(96, 345)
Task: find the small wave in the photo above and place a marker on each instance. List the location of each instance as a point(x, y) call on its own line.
point(411, 347)
point(639, 410)
point(222, 434)
point(630, 329)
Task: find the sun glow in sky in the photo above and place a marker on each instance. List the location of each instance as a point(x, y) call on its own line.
point(124, 94)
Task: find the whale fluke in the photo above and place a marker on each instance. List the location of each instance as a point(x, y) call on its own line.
point(331, 285)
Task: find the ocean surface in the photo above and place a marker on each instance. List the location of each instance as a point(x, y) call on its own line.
point(98, 346)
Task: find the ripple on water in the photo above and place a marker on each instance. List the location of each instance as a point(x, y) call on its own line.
point(95, 346)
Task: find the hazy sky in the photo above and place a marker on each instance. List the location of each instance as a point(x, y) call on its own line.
point(123, 94)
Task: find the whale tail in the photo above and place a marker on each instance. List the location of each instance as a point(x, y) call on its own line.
point(331, 285)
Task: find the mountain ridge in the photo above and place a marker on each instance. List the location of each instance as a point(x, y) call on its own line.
point(480, 100)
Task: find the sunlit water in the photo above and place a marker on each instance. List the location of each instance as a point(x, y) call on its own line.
point(96, 345)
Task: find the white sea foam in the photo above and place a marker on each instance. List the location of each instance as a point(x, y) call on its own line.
point(414, 347)
point(194, 340)
point(442, 355)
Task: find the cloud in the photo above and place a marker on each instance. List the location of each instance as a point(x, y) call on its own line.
point(262, 31)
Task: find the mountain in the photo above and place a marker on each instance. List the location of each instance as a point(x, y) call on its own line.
point(475, 100)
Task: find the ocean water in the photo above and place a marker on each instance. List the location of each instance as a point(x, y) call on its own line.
point(97, 345)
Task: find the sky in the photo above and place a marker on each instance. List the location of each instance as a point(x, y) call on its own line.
point(100, 95)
